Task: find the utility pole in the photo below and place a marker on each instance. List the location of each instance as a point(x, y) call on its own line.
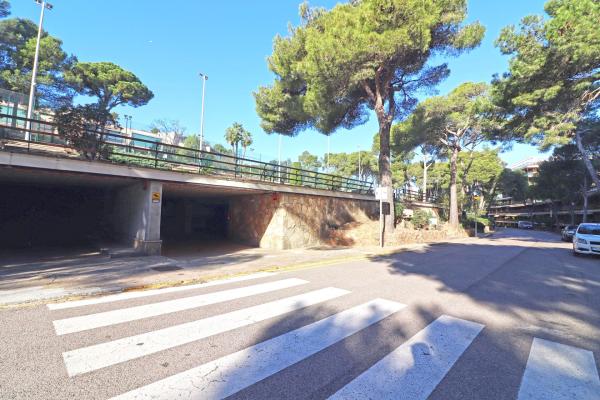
point(45, 6)
point(204, 79)
point(359, 165)
point(128, 133)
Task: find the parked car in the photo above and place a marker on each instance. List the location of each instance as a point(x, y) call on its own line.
point(568, 232)
point(525, 225)
point(587, 239)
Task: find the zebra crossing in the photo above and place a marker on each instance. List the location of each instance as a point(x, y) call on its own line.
point(411, 371)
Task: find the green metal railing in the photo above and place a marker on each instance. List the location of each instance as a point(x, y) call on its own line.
point(122, 149)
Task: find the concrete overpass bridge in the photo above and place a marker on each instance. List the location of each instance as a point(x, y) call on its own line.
point(143, 193)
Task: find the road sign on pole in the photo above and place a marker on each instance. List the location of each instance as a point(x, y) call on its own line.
point(382, 193)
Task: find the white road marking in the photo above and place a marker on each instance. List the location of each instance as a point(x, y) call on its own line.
point(154, 292)
point(227, 375)
point(414, 369)
point(556, 371)
point(102, 355)
point(91, 321)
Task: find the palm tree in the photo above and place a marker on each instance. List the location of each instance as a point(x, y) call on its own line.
point(236, 135)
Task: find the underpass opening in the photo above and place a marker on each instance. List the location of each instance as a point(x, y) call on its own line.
point(42, 211)
point(195, 220)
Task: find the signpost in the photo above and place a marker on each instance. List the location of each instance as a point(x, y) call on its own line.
point(382, 194)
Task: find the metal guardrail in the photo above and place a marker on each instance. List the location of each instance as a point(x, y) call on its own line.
point(121, 149)
point(415, 196)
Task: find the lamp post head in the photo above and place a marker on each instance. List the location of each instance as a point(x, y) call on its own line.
point(47, 5)
point(205, 77)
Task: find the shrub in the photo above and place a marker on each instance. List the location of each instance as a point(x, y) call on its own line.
point(83, 127)
point(399, 211)
point(132, 160)
point(482, 222)
point(420, 219)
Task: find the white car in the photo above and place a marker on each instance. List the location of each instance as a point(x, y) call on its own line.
point(587, 239)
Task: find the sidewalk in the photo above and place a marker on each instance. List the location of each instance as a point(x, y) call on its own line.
point(75, 275)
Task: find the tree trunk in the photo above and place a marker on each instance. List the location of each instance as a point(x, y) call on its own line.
point(453, 195)
point(385, 171)
point(572, 213)
point(492, 196)
point(585, 199)
point(554, 214)
point(586, 160)
point(482, 200)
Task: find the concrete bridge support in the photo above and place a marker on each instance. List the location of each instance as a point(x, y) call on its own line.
point(137, 216)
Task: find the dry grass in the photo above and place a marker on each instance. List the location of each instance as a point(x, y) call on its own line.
point(366, 233)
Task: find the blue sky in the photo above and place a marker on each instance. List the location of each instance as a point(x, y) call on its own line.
point(167, 44)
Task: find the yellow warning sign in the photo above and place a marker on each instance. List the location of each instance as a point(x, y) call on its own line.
point(156, 197)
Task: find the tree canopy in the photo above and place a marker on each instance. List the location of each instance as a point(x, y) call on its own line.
point(83, 127)
point(513, 184)
point(17, 49)
point(553, 81)
point(110, 84)
point(560, 180)
point(4, 8)
point(347, 164)
point(309, 161)
point(360, 56)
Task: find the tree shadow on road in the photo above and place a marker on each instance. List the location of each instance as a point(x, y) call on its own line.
point(535, 291)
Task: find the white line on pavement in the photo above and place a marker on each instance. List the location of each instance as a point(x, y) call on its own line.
point(91, 321)
point(154, 292)
point(227, 375)
point(102, 355)
point(556, 371)
point(414, 369)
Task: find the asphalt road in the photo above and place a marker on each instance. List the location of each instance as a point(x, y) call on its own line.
point(515, 316)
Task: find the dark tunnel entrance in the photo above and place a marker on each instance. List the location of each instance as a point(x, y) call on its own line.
point(195, 220)
point(42, 216)
point(190, 219)
point(47, 210)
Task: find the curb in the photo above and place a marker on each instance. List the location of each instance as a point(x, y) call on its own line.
point(85, 293)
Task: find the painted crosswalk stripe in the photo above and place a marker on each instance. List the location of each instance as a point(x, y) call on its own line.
point(414, 369)
point(154, 292)
point(557, 371)
point(227, 375)
point(91, 321)
point(102, 355)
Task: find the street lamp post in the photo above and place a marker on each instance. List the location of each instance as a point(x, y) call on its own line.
point(204, 79)
point(328, 148)
point(359, 165)
point(128, 132)
point(45, 5)
point(279, 158)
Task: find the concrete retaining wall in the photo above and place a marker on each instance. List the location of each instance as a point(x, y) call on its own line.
point(286, 221)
